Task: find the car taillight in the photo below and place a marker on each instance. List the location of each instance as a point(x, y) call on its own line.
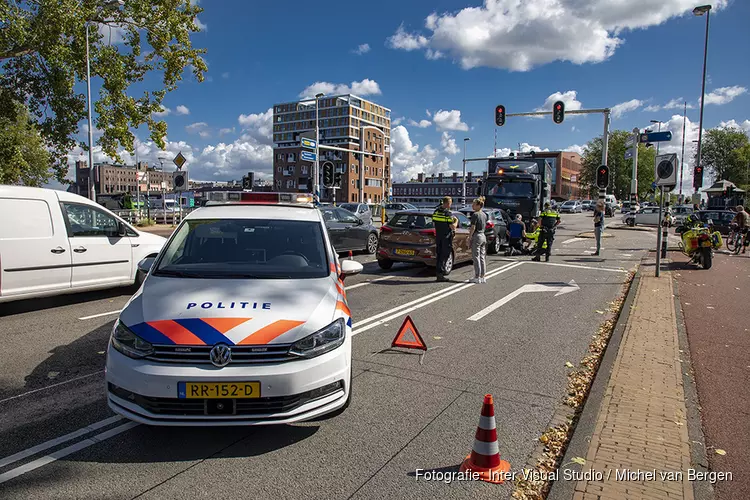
point(386, 229)
point(489, 225)
point(428, 232)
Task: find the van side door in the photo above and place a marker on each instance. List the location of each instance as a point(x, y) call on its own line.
point(35, 255)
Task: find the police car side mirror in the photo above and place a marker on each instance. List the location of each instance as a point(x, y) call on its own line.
point(350, 268)
point(146, 264)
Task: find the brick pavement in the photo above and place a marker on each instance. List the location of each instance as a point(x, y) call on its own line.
point(641, 425)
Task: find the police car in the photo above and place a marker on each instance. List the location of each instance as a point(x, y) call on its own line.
point(242, 319)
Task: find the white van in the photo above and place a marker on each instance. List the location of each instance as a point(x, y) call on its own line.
point(54, 242)
point(610, 198)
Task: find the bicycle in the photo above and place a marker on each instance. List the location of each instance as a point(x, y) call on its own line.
point(732, 237)
point(741, 241)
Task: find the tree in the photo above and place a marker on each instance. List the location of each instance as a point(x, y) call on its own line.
point(724, 153)
point(23, 156)
point(620, 169)
point(43, 54)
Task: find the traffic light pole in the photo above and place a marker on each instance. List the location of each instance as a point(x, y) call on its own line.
point(634, 178)
point(605, 150)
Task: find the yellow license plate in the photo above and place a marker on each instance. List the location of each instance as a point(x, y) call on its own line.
point(220, 390)
point(401, 251)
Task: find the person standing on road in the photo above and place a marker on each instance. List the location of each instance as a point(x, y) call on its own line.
point(548, 221)
point(445, 226)
point(478, 241)
point(598, 225)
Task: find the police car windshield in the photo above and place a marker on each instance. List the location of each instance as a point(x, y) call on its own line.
point(510, 189)
point(246, 248)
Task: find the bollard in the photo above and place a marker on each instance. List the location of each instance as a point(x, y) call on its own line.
point(664, 239)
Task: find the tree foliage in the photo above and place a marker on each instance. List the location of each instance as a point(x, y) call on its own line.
point(24, 159)
point(726, 154)
point(43, 54)
point(620, 169)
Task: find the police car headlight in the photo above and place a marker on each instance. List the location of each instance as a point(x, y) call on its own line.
point(128, 343)
point(322, 341)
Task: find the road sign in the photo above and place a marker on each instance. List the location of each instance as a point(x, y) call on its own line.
point(573, 178)
point(308, 143)
point(666, 170)
point(179, 160)
point(654, 185)
point(656, 137)
point(406, 333)
point(179, 181)
point(630, 141)
point(307, 156)
point(561, 289)
point(628, 154)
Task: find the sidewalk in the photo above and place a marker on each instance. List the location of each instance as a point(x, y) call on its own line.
point(641, 428)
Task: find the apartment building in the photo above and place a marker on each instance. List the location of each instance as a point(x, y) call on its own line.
point(346, 122)
point(118, 179)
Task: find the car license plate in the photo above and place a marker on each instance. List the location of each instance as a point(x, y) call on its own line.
point(402, 251)
point(218, 390)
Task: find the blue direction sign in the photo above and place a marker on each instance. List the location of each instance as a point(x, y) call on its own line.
point(628, 154)
point(308, 143)
point(656, 137)
point(653, 185)
point(307, 156)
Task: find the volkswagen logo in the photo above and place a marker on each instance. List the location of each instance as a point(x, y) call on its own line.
point(221, 355)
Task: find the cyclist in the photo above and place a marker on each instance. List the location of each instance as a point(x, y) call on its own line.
point(741, 219)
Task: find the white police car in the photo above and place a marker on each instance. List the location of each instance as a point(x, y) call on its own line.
point(242, 319)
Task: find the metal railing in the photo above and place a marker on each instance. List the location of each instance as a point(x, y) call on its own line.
point(158, 215)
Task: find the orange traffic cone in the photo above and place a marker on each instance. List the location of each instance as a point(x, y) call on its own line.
point(485, 455)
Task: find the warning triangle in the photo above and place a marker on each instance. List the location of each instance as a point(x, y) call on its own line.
point(408, 336)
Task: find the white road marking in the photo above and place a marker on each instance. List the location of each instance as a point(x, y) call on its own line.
point(50, 386)
point(626, 254)
point(573, 240)
point(530, 288)
point(4, 462)
point(576, 266)
point(367, 282)
point(386, 316)
point(47, 459)
point(100, 315)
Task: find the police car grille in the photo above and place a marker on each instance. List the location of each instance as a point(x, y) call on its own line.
point(241, 355)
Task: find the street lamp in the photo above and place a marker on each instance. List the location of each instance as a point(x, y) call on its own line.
point(316, 173)
point(161, 158)
point(109, 6)
point(463, 179)
point(699, 11)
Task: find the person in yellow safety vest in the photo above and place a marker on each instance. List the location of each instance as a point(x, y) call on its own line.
point(445, 226)
point(533, 237)
point(548, 221)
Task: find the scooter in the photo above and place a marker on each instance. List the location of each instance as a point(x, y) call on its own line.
point(699, 241)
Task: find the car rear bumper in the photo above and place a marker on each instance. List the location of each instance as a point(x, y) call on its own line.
point(147, 391)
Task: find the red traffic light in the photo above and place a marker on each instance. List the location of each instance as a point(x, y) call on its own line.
point(698, 169)
point(500, 115)
point(558, 106)
point(603, 172)
point(558, 112)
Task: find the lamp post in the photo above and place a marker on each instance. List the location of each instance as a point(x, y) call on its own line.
point(699, 11)
point(463, 179)
point(109, 6)
point(316, 172)
point(161, 159)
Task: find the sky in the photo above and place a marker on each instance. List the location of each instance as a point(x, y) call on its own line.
point(443, 66)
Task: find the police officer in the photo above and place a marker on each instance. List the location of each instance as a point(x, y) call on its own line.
point(445, 226)
point(548, 221)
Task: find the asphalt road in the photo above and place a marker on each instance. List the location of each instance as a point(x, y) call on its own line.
point(713, 303)
point(59, 440)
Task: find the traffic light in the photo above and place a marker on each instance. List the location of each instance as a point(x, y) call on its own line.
point(337, 179)
point(602, 177)
point(558, 112)
point(246, 183)
point(328, 174)
point(500, 115)
point(697, 177)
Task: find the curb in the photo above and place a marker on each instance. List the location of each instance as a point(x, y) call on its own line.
point(586, 424)
point(702, 490)
point(624, 227)
point(590, 234)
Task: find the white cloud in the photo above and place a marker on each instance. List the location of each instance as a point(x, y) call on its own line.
point(570, 98)
point(678, 103)
point(226, 131)
point(519, 35)
point(525, 147)
point(200, 25)
point(164, 112)
point(575, 148)
point(362, 49)
point(397, 121)
point(196, 128)
point(409, 160)
point(420, 123)
point(449, 120)
point(428, 113)
point(733, 124)
point(448, 144)
point(258, 125)
point(363, 88)
point(652, 108)
point(405, 41)
point(724, 95)
point(573, 128)
point(182, 110)
point(624, 107)
point(433, 54)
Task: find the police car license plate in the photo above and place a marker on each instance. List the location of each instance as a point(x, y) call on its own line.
point(218, 390)
point(402, 251)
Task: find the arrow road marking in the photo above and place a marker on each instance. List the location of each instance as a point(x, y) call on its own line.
point(531, 288)
point(573, 240)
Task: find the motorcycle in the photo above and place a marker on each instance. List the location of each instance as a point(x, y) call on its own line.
point(699, 241)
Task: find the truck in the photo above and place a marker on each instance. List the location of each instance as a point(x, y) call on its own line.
point(519, 184)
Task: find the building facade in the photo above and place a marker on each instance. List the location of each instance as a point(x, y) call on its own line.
point(346, 122)
point(566, 173)
point(118, 179)
point(429, 190)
